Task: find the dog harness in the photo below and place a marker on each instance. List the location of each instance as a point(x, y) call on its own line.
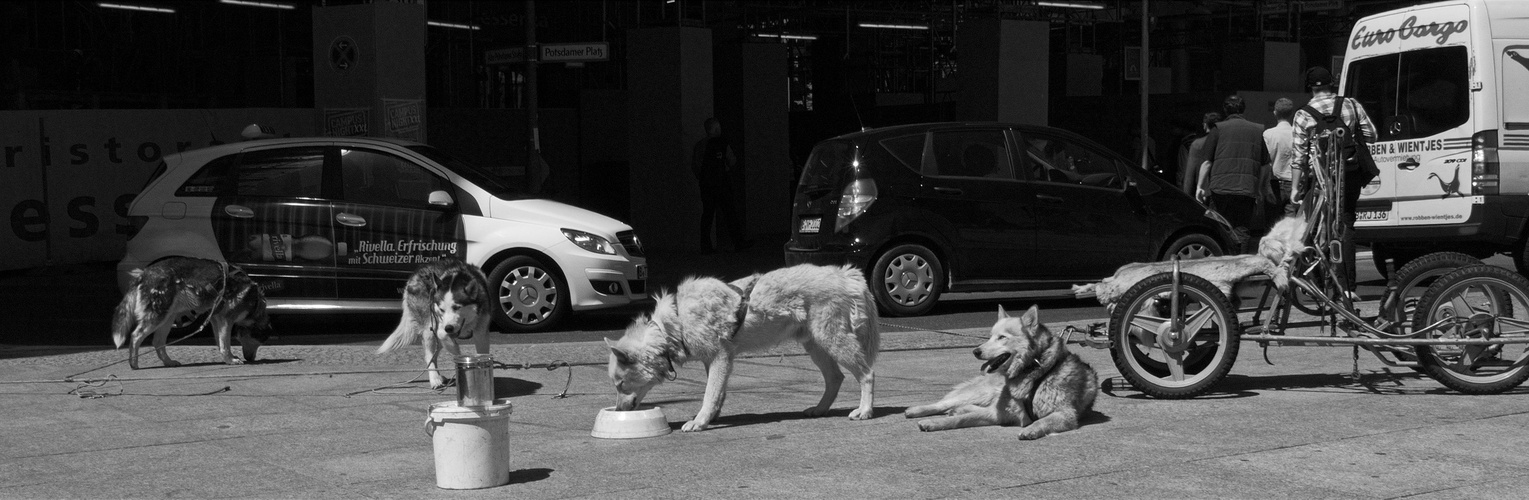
point(741, 314)
point(743, 304)
point(1029, 400)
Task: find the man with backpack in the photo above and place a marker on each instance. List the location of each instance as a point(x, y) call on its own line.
point(1326, 111)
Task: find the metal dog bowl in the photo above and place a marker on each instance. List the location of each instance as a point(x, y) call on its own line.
point(639, 423)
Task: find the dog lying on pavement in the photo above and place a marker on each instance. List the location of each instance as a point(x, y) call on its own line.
point(1031, 380)
point(828, 309)
point(177, 287)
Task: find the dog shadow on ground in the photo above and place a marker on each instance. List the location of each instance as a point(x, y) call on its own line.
point(742, 419)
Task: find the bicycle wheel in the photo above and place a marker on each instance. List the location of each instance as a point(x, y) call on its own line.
point(1166, 364)
point(1412, 280)
point(1480, 302)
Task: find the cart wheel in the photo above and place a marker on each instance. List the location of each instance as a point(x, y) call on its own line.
point(1413, 279)
point(1155, 360)
point(1484, 302)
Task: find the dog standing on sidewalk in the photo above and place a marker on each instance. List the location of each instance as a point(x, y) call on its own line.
point(175, 287)
point(444, 301)
point(1032, 381)
point(828, 309)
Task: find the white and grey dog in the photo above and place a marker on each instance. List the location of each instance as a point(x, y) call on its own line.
point(828, 309)
point(1274, 250)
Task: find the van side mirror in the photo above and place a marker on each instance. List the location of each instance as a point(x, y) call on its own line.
point(441, 198)
point(1399, 126)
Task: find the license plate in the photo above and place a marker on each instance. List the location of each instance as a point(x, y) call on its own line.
point(642, 271)
point(1373, 215)
point(810, 226)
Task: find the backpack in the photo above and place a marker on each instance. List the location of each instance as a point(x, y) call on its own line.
point(1350, 142)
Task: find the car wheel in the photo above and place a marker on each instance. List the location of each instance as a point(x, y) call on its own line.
point(532, 296)
point(1521, 257)
point(907, 280)
point(1399, 259)
point(1192, 246)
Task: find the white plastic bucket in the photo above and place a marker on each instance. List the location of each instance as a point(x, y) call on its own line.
point(472, 444)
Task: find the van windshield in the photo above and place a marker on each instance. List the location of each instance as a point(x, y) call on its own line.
point(829, 166)
point(1413, 94)
point(483, 178)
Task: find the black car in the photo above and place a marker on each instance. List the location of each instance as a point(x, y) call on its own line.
point(986, 207)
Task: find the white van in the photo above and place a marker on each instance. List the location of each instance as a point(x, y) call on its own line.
point(1447, 85)
point(338, 224)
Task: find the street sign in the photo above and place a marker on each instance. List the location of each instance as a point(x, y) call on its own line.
point(505, 56)
point(575, 52)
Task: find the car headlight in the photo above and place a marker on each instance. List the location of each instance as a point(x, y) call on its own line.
point(589, 242)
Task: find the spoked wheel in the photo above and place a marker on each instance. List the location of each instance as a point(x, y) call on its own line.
point(1165, 363)
point(1413, 279)
point(1480, 302)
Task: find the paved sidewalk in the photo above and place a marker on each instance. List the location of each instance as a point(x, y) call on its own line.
point(302, 424)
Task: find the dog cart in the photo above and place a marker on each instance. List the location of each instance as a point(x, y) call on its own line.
point(1175, 334)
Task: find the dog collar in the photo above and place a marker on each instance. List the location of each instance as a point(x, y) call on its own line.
point(743, 304)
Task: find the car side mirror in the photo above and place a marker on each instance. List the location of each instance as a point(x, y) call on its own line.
point(441, 198)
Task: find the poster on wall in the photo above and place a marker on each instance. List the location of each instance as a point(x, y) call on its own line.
point(347, 122)
point(71, 175)
point(405, 118)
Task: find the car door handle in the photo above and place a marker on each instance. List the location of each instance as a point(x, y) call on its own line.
point(239, 211)
point(1050, 199)
point(350, 219)
point(947, 190)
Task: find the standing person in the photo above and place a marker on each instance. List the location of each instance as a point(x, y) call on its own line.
point(1324, 92)
point(1189, 167)
point(1278, 140)
point(1230, 179)
point(713, 162)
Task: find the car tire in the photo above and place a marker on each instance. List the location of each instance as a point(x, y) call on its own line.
point(532, 296)
point(1192, 246)
point(1521, 257)
point(907, 280)
point(1399, 259)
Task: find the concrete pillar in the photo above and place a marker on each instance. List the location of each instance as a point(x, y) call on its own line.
point(669, 84)
point(752, 105)
point(1004, 70)
point(369, 69)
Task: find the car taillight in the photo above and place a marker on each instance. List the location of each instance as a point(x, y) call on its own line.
point(857, 197)
point(1484, 164)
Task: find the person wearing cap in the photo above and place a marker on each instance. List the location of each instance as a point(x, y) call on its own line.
point(1231, 177)
point(1324, 91)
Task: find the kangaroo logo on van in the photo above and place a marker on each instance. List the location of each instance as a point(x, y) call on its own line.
point(1364, 37)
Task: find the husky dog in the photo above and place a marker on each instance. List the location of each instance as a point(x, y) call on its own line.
point(828, 309)
point(1275, 249)
point(450, 300)
point(1031, 381)
point(177, 287)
